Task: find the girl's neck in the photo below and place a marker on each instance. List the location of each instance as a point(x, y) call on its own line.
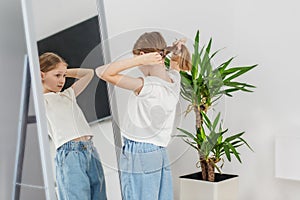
point(156, 70)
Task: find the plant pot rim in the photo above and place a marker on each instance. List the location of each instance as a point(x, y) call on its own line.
point(197, 176)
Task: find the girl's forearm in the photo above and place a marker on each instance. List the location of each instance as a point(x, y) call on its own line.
point(80, 73)
point(84, 77)
point(115, 68)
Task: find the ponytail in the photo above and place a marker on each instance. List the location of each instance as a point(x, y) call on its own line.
point(181, 55)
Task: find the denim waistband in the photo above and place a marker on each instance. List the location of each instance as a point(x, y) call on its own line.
point(77, 145)
point(139, 147)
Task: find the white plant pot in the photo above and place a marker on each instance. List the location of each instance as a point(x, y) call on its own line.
point(193, 189)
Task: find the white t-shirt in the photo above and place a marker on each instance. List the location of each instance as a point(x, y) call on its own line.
point(64, 117)
point(150, 115)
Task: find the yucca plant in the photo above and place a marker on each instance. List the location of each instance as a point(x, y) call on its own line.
point(202, 87)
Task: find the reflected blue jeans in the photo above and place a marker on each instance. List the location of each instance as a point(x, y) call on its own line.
point(79, 173)
point(145, 172)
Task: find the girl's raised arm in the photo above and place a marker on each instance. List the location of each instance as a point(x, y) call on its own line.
point(111, 72)
point(84, 77)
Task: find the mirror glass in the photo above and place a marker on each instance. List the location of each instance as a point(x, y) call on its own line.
point(71, 29)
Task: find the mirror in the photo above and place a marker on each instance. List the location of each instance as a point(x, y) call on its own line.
point(73, 30)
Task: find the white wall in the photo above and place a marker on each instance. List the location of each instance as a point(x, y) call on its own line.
point(262, 32)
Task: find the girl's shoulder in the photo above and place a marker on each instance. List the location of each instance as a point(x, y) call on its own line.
point(69, 93)
point(174, 73)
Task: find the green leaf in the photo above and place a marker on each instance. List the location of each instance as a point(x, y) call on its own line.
point(205, 148)
point(195, 57)
point(227, 153)
point(237, 84)
point(209, 45)
point(215, 53)
point(240, 72)
point(228, 91)
point(205, 66)
point(232, 70)
point(234, 152)
point(188, 142)
point(212, 139)
point(216, 121)
point(180, 136)
point(224, 65)
point(187, 133)
point(202, 133)
point(186, 97)
point(186, 79)
point(238, 145)
point(206, 120)
point(217, 167)
point(234, 137)
point(167, 62)
point(246, 144)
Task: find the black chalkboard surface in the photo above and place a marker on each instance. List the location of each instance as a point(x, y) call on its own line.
point(80, 46)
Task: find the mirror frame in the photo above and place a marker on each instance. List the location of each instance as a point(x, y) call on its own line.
point(32, 51)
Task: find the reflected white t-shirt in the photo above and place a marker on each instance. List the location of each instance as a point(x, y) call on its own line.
point(150, 115)
point(64, 117)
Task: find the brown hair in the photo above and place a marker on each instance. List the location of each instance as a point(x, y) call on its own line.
point(49, 60)
point(154, 41)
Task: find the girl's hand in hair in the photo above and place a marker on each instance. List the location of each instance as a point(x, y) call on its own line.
point(150, 59)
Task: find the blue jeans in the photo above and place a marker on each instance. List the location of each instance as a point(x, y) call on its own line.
point(79, 173)
point(145, 172)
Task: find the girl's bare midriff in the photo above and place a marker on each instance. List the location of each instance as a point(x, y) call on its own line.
point(83, 138)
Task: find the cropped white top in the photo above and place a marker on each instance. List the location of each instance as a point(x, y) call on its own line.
point(65, 119)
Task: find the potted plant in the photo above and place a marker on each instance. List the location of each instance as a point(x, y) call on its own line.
point(202, 88)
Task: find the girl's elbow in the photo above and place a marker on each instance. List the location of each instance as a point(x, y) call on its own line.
point(101, 74)
point(98, 72)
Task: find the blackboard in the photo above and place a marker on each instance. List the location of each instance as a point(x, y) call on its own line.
point(80, 46)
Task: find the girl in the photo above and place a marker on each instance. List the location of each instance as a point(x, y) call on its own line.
point(144, 164)
point(79, 173)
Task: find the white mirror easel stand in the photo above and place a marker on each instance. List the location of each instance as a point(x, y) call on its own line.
point(32, 77)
